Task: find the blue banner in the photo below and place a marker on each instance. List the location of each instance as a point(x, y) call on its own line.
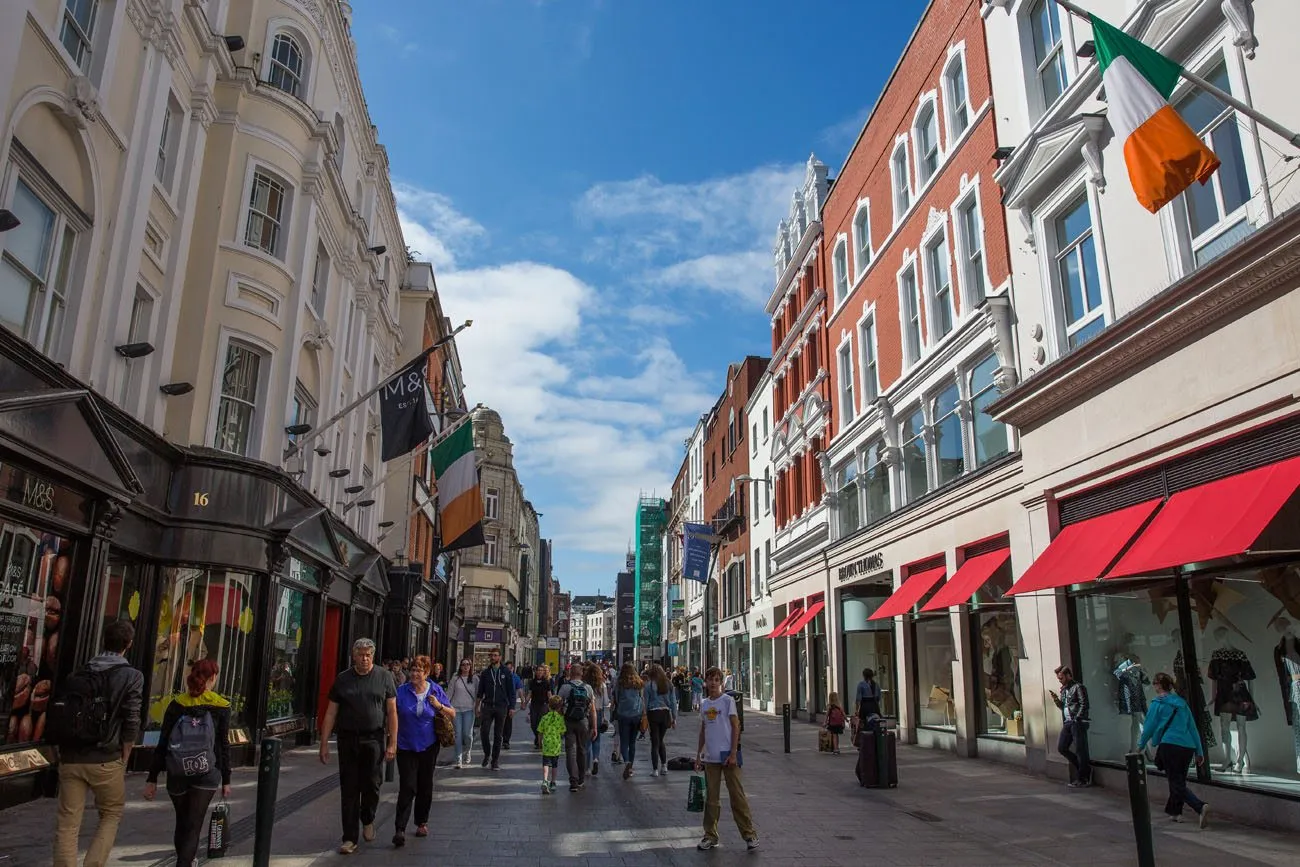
point(696, 539)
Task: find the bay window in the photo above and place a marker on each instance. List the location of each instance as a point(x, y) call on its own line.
point(37, 264)
point(874, 482)
point(990, 438)
point(850, 511)
point(949, 452)
point(916, 472)
point(238, 405)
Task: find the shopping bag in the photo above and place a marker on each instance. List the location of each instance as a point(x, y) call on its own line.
point(218, 829)
point(695, 794)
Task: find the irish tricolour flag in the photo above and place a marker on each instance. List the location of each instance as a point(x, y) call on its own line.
point(459, 505)
point(1163, 154)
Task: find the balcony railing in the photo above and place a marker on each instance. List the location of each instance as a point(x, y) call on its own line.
point(493, 613)
point(731, 516)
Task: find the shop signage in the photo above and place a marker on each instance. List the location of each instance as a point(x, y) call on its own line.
point(862, 566)
point(41, 495)
point(760, 621)
point(486, 636)
point(284, 727)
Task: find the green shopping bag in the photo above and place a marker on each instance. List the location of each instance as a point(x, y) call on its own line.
point(695, 794)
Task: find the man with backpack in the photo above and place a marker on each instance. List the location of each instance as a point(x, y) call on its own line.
point(580, 722)
point(94, 721)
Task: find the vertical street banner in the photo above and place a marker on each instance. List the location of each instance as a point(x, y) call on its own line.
point(625, 617)
point(403, 412)
point(650, 521)
point(696, 541)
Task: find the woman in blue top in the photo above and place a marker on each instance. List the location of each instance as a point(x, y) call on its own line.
point(661, 712)
point(697, 689)
point(418, 700)
point(1170, 727)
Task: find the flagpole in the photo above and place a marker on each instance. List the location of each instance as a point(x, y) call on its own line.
point(429, 442)
point(1291, 137)
point(313, 435)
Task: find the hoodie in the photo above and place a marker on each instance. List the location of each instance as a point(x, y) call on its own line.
point(1169, 721)
point(183, 703)
point(126, 692)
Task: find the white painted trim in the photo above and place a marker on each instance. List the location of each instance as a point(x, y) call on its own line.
point(901, 142)
point(841, 246)
point(274, 298)
point(956, 53)
point(310, 50)
point(868, 315)
point(860, 267)
point(909, 263)
point(846, 343)
point(930, 100)
point(253, 165)
point(928, 241)
point(969, 193)
point(258, 432)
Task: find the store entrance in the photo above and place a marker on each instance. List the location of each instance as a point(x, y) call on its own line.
point(800, 647)
point(329, 659)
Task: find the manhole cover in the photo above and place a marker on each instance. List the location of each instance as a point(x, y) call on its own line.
point(923, 815)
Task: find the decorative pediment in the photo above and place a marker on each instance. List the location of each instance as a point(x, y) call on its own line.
point(1048, 154)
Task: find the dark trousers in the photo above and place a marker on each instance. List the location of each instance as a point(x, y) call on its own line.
point(1075, 733)
point(491, 731)
point(191, 821)
point(510, 727)
point(1176, 759)
point(361, 772)
point(577, 750)
point(628, 729)
point(660, 719)
point(415, 784)
point(536, 711)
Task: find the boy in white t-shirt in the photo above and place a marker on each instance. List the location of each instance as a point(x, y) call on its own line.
point(717, 757)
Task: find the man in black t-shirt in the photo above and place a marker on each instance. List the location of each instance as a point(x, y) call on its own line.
point(363, 705)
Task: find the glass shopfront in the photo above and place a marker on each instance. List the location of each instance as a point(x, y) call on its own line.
point(1230, 640)
point(867, 644)
point(933, 686)
point(34, 590)
point(736, 660)
point(202, 614)
point(121, 597)
point(763, 653)
point(289, 683)
point(998, 649)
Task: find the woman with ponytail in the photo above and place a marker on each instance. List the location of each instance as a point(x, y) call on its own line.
point(194, 750)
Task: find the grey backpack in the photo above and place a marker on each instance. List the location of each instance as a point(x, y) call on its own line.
point(191, 748)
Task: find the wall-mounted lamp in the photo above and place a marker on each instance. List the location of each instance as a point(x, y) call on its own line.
point(354, 489)
point(323, 451)
point(1087, 49)
point(384, 525)
point(379, 251)
point(135, 350)
point(362, 504)
point(234, 43)
point(8, 220)
point(297, 430)
point(176, 389)
point(338, 474)
point(1003, 152)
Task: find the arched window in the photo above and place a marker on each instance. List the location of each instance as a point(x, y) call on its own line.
point(927, 144)
point(286, 71)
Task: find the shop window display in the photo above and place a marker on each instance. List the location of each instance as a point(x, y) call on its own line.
point(868, 643)
point(285, 686)
point(34, 589)
point(998, 636)
point(763, 652)
point(935, 654)
point(203, 614)
point(121, 594)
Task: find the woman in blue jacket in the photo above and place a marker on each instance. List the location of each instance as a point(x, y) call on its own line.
point(1171, 729)
point(418, 700)
point(661, 713)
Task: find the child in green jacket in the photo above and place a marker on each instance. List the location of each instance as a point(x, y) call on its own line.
point(552, 728)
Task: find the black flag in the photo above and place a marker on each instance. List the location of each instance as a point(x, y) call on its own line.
point(403, 413)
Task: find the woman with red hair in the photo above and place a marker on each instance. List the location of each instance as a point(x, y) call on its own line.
point(194, 750)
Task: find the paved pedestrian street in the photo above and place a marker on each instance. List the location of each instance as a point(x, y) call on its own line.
point(946, 811)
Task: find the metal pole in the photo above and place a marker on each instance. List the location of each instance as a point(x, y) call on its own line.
point(785, 725)
point(315, 433)
point(406, 459)
point(1249, 111)
point(268, 781)
point(1141, 807)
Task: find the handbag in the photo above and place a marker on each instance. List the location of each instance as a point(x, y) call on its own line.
point(1158, 761)
point(218, 837)
point(445, 729)
point(695, 792)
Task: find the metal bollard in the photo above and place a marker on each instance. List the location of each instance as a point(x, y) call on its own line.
point(785, 724)
point(268, 782)
point(1141, 807)
point(882, 755)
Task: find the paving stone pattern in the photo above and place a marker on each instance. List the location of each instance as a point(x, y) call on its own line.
point(947, 811)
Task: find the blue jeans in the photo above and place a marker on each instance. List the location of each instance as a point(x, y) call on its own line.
point(464, 732)
point(628, 730)
point(595, 745)
point(1075, 733)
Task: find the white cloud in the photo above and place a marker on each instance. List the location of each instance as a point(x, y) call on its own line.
point(655, 316)
point(746, 276)
point(434, 230)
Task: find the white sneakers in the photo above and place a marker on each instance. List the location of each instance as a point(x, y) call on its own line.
point(1203, 821)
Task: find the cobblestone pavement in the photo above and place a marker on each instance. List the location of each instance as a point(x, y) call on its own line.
point(947, 811)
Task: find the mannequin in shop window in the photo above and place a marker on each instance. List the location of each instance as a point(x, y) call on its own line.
point(1130, 695)
point(1230, 672)
point(999, 669)
point(1286, 656)
point(1182, 686)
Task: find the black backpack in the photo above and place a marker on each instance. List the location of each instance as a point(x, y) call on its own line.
point(577, 709)
point(81, 714)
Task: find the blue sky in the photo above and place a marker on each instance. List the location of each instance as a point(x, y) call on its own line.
point(598, 185)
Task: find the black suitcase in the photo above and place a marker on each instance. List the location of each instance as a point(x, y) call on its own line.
point(868, 769)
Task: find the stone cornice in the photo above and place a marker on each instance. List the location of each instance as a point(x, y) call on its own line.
point(1265, 262)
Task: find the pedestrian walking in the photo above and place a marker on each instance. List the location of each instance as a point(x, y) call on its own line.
point(697, 689)
point(551, 728)
point(95, 760)
point(867, 698)
point(629, 710)
point(437, 675)
point(194, 750)
point(1170, 728)
point(594, 677)
point(718, 755)
point(580, 726)
point(835, 720)
point(661, 715)
point(362, 710)
point(463, 692)
point(539, 697)
point(1073, 702)
point(496, 705)
point(518, 683)
point(419, 700)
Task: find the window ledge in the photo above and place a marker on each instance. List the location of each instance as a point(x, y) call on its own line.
point(259, 255)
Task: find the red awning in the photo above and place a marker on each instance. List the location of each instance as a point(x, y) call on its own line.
point(1082, 551)
point(805, 618)
point(1212, 521)
point(968, 579)
point(779, 630)
point(909, 593)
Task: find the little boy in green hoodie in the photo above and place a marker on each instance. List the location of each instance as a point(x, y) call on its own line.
point(552, 728)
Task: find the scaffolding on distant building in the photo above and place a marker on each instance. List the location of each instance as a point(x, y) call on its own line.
point(651, 521)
